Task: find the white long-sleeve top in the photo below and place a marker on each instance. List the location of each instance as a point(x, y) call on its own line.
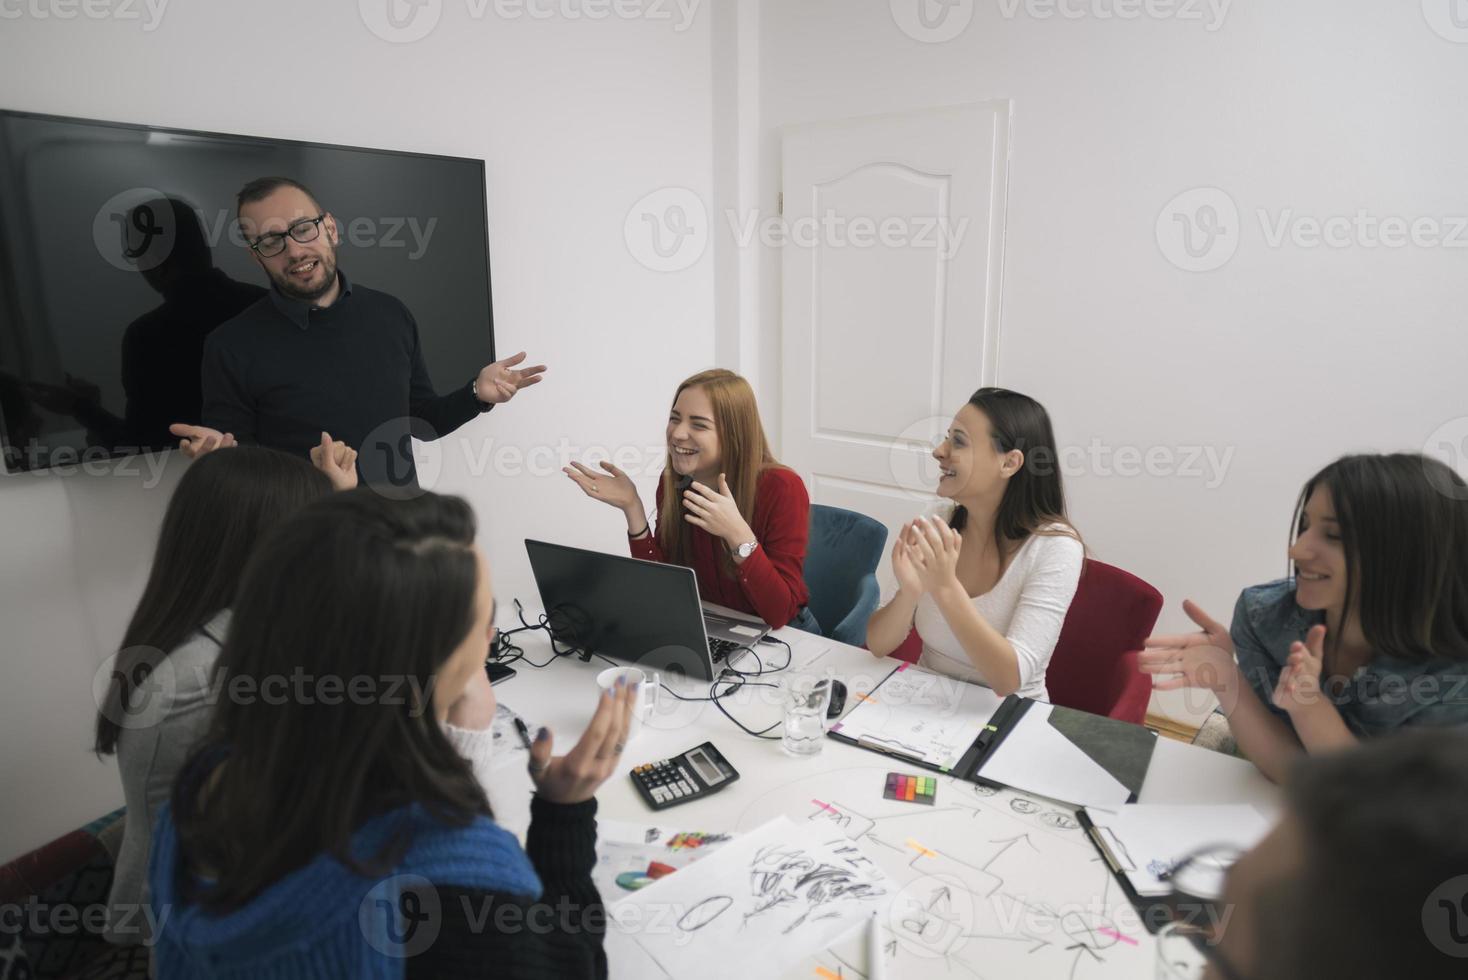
point(1028, 605)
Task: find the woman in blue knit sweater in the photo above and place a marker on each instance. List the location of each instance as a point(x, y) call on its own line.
point(326, 826)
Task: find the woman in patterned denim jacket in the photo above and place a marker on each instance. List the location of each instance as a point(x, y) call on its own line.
point(1371, 633)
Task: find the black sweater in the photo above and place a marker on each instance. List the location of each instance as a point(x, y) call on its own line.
point(491, 934)
point(283, 372)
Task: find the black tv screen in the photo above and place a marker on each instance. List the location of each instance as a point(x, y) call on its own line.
point(101, 325)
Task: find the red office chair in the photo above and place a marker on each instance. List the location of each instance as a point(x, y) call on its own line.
point(1094, 667)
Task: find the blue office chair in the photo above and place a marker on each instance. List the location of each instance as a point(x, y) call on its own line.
point(841, 571)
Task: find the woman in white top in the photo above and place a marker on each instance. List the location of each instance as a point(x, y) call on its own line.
point(988, 589)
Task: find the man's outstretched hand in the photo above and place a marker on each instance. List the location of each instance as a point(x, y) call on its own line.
point(499, 381)
point(196, 440)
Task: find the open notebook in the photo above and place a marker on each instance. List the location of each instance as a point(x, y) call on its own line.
point(949, 725)
point(915, 714)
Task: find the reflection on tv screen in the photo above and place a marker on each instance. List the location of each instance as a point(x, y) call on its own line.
point(120, 254)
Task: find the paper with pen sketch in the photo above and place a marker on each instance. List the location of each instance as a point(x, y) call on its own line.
point(931, 716)
point(754, 908)
point(1148, 840)
point(1038, 758)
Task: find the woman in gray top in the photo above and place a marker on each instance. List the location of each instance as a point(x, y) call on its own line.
point(158, 702)
point(1370, 634)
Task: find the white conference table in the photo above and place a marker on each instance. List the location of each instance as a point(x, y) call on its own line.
point(563, 695)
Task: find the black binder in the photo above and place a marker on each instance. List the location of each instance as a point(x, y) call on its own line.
point(1121, 748)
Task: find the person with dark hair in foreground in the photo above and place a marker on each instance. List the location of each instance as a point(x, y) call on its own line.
point(1368, 636)
point(1366, 877)
point(157, 701)
point(316, 834)
point(320, 353)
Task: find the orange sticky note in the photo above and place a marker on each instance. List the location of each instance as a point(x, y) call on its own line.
point(920, 848)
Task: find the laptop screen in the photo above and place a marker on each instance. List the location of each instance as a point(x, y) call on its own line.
point(641, 612)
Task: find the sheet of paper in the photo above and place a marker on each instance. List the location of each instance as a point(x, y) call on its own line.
point(991, 883)
point(930, 716)
point(1037, 758)
point(1148, 841)
point(754, 908)
point(624, 851)
point(508, 746)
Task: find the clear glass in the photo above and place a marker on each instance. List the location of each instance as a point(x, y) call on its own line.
point(806, 697)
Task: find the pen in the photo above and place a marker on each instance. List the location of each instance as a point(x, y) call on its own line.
point(874, 950)
point(524, 732)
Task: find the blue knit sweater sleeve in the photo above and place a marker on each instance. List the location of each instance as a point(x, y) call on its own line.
point(502, 935)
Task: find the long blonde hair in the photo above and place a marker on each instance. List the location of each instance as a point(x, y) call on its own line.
point(743, 446)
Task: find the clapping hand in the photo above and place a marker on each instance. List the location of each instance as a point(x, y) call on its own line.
point(716, 512)
point(1202, 660)
point(1299, 682)
point(904, 564)
point(610, 486)
point(934, 553)
point(337, 460)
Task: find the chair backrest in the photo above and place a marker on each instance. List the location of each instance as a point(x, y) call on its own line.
point(1094, 667)
point(845, 547)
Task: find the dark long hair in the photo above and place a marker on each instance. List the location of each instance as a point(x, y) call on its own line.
point(222, 505)
point(354, 587)
point(1034, 497)
point(1382, 833)
point(1404, 530)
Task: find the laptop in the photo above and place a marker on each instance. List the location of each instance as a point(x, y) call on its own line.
point(642, 612)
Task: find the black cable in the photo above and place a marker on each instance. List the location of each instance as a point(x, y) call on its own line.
point(505, 652)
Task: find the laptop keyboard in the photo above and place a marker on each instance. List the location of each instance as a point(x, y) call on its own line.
point(722, 650)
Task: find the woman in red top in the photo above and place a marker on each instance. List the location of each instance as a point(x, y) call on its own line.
point(719, 469)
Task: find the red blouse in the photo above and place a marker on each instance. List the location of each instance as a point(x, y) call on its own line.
point(769, 583)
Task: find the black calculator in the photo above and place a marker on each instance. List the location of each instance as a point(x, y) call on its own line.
point(697, 772)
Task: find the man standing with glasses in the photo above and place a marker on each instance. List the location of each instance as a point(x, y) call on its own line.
point(321, 354)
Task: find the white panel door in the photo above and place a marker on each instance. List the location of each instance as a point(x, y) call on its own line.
point(890, 307)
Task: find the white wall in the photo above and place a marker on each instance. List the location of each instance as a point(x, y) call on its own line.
point(577, 120)
point(1286, 357)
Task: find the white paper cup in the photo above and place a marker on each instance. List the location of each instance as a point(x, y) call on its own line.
point(646, 693)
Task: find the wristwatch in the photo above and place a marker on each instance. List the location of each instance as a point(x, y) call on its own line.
point(745, 550)
point(474, 390)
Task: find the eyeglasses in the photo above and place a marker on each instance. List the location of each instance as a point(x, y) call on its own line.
point(305, 230)
point(1197, 878)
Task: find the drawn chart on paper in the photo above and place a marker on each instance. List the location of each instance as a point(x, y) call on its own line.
point(754, 908)
point(632, 856)
point(990, 883)
point(923, 714)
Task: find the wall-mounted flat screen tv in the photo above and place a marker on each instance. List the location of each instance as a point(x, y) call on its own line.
point(119, 253)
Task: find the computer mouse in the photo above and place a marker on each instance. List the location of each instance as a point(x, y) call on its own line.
point(838, 699)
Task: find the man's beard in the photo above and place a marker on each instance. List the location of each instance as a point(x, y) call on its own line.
point(287, 286)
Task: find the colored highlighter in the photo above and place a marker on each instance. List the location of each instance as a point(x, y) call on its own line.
point(911, 789)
